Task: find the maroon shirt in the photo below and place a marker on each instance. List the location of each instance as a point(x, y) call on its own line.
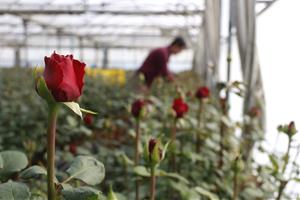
point(155, 65)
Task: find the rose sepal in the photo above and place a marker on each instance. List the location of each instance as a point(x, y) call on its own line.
point(43, 90)
point(77, 110)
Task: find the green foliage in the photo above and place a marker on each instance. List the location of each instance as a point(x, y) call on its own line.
point(14, 191)
point(87, 169)
point(12, 161)
point(110, 139)
point(82, 193)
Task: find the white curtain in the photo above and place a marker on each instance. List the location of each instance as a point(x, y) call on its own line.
point(206, 56)
point(244, 19)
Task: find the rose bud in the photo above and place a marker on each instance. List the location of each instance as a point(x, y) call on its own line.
point(202, 92)
point(153, 153)
point(180, 107)
point(137, 107)
point(288, 129)
point(64, 77)
point(73, 148)
point(255, 112)
point(88, 119)
point(292, 128)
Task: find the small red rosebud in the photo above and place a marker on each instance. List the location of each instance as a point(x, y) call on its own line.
point(73, 148)
point(151, 146)
point(137, 107)
point(88, 119)
point(180, 107)
point(292, 128)
point(255, 112)
point(203, 92)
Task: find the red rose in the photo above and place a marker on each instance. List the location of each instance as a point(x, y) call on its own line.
point(180, 107)
point(73, 148)
point(88, 119)
point(202, 92)
point(136, 107)
point(64, 77)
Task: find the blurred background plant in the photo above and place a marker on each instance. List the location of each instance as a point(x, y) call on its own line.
point(110, 138)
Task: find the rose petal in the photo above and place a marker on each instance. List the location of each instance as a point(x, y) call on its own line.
point(79, 72)
point(53, 74)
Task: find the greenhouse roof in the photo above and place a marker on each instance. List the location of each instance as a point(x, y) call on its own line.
point(105, 23)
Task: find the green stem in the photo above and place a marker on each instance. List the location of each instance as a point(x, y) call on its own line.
point(173, 136)
point(286, 161)
point(286, 157)
point(153, 183)
point(53, 110)
point(137, 157)
point(199, 126)
point(173, 139)
point(281, 189)
point(235, 186)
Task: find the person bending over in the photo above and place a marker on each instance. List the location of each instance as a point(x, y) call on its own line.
point(156, 63)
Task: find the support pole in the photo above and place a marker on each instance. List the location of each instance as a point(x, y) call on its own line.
point(25, 27)
point(81, 52)
point(59, 40)
point(105, 60)
point(17, 62)
point(229, 51)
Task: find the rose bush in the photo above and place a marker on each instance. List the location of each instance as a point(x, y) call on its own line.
point(23, 118)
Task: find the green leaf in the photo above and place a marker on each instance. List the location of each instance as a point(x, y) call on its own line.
point(186, 193)
point(274, 163)
point(126, 160)
point(165, 149)
point(14, 191)
point(141, 171)
point(178, 177)
point(82, 193)
point(86, 169)
point(74, 107)
point(297, 180)
point(33, 172)
point(206, 193)
point(13, 161)
point(88, 111)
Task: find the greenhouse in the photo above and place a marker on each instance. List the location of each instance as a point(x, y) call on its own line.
point(158, 100)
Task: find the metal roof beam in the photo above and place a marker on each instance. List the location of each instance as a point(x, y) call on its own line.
point(32, 9)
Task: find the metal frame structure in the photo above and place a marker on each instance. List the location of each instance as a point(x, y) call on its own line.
point(104, 24)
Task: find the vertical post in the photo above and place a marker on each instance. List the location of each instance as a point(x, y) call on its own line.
point(25, 27)
point(59, 41)
point(17, 62)
point(229, 50)
point(97, 59)
point(81, 52)
point(105, 58)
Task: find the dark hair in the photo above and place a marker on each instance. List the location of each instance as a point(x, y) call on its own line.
point(179, 41)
